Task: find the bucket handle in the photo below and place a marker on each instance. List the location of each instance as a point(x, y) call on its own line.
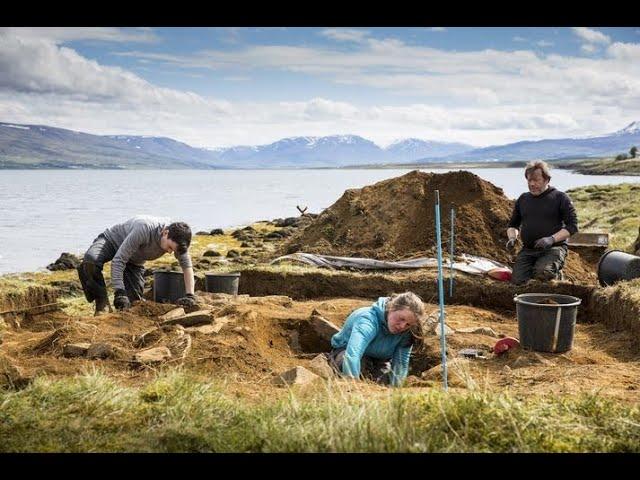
point(555, 331)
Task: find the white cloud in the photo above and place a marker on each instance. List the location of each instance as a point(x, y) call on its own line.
point(345, 34)
point(519, 39)
point(67, 34)
point(479, 97)
point(544, 43)
point(591, 36)
point(587, 48)
point(438, 29)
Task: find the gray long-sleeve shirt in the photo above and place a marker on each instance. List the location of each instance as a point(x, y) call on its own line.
point(138, 240)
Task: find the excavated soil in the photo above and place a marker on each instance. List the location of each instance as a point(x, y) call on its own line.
point(265, 336)
point(395, 219)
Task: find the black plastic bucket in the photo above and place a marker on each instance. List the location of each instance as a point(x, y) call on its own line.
point(616, 265)
point(222, 282)
point(168, 286)
point(546, 321)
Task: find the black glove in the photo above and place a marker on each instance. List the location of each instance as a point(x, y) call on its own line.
point(544, 242)
point(121, 300)
point(511, 244)
point(189, 300)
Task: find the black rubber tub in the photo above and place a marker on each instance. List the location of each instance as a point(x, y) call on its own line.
point(616, 265)
point(168, 286)
point(546, 322)
point(222, 282)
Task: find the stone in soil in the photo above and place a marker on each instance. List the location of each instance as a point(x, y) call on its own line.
point(71, 350)
point(220, 322)
point(152, 355)
point(296, 376)
point(202, 330)
point(479, 330)
point(323, 327)
point(180, 346)
point(191, 319)
point(100, 350)
point(171, 314)
point(320, 366)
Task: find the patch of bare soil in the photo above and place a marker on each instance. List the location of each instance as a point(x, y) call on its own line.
point(249, 341)
point(395, 219)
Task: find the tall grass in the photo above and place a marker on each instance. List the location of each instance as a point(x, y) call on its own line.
point(177, 413)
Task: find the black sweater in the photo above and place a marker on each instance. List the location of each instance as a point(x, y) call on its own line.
point(544, 215)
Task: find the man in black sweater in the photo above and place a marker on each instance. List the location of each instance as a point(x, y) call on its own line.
point(544, 218)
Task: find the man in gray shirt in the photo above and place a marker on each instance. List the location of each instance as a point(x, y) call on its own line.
point(127, 246)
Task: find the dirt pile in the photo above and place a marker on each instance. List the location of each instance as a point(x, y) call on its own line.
point(395, 219)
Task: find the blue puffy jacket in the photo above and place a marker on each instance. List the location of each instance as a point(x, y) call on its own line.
point(365, 332)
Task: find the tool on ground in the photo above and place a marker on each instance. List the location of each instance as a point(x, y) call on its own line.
point(471, 353)
point(505, 344)
point(443, 344)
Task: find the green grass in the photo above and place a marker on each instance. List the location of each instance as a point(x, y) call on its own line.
point(178, 413)
point(602, 166)
point(609, 208)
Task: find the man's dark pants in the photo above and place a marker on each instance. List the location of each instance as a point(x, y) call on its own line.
point(372, 368)
point(90, 272)
point(539, 264)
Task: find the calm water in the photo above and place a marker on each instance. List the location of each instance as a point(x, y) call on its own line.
point(46, 212)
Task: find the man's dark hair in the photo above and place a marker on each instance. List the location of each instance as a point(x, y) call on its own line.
point(180, 233)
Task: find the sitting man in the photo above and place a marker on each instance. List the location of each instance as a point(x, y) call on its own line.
point(127, 246)
point(545, 218)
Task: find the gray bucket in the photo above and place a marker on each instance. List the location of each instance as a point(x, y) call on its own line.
point(168, 286)
point(222, 282)
point(616, 265)
point(546, 321)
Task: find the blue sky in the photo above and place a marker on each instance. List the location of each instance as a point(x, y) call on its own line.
point(218, 87)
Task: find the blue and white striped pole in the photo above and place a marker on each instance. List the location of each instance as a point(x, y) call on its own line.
point(443, 342)
point(453, 222)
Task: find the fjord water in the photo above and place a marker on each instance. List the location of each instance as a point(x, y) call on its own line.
point(46, 212)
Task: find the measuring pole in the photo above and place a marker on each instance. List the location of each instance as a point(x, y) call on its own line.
point(443, 341)
point(453, 221)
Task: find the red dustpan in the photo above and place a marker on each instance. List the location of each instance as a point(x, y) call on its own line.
point(500, 273)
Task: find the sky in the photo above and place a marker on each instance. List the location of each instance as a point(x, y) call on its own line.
point(225, 86)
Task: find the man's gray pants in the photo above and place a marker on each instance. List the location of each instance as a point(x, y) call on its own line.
point(90, 272)
point(539, 264)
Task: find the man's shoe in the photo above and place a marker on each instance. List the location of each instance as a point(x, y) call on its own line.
point(102, 307)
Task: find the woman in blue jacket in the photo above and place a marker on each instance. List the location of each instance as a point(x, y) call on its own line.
point(374, 336)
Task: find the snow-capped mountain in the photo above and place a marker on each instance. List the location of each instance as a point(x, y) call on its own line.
point(604, 145)
point(411, 149)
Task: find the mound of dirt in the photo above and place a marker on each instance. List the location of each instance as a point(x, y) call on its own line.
point(395, 219)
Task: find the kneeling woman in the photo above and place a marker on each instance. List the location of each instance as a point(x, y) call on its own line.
point(374, 336)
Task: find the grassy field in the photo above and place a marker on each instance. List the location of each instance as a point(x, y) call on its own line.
point(601, 166)
point(178, 413)
point(609, 208)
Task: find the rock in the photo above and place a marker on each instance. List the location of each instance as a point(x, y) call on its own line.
point(457, 373)
point(171, 314)
point(211, 253)
point(148, 338)
point(71, 350)
point(202, 330)
point(323, 327)
point(296, 376)
point(220, 322)
point(217, 231)
point(320, 366)
point(66, 261)
point(10, 374)
point(202, 233)
point(233, 254)
point(100, 350)
point(191, 319)
point(447, 330)
point(245, 244)
point(242, 329)
point(179, 346)
point(152, 355)
point(479, 330)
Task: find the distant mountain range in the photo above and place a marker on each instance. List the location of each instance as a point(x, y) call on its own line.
point(40, 146)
